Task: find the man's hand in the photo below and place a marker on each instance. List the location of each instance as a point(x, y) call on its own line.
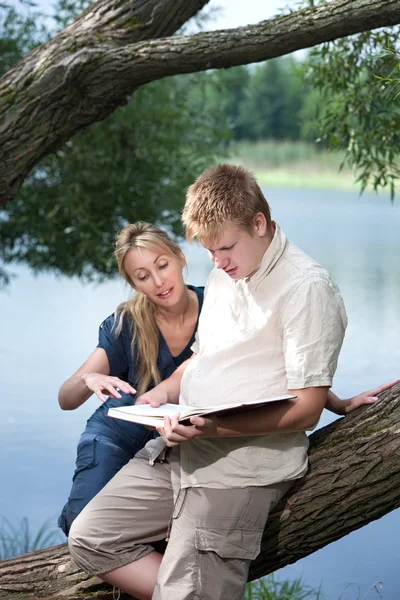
point(174, 434)
point(154, 397)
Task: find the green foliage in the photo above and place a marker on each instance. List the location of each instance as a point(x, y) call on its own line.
point(227, 89)
point(270, 588)
point(19, 540)
point(359, 111)
point(266, 101)
point(273, 101)
point(135, 165)
point(19, 33)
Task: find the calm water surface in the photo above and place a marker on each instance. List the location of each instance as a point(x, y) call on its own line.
point(49, 326)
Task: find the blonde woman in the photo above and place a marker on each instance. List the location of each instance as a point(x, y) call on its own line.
point(146, 339)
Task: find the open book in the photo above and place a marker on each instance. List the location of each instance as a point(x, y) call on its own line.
point(153, 417)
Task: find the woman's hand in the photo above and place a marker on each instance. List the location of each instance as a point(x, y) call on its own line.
point(342, 407)
point(154, 397)
point(105, 384)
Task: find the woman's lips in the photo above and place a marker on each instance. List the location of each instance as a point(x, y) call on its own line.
point(165, 294)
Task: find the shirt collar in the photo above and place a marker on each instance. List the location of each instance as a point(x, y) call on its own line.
point(270, 258)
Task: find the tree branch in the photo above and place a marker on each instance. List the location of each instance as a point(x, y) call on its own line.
point(93, 66)
point(350, 460)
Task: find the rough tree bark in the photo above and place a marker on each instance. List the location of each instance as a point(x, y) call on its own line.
point(354, 478)
point(91, 67)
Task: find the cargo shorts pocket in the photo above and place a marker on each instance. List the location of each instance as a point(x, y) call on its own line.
point(86, 454)
point(223, 560)
point(238, 543)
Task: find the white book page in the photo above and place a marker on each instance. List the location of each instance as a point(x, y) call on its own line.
point(145, 410)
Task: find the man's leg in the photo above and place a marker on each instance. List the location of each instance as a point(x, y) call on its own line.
point(214, 537)
point(112, 536)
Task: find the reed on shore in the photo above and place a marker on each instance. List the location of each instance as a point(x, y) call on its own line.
point(293, 164)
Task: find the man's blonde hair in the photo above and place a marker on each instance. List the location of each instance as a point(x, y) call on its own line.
point(222, 195)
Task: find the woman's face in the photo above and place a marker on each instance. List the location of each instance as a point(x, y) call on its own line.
point(156, 274)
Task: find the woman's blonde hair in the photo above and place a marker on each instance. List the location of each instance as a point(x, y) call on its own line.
point(145, 332)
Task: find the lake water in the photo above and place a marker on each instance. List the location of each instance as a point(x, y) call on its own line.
point(49, 326)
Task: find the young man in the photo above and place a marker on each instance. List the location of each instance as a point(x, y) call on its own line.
point(272, 323)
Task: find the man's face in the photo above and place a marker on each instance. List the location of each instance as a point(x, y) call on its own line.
point(237, 252)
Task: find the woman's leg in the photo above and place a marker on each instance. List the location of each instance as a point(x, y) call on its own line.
point(98, 460)
point(103, 449)
point(112, 536)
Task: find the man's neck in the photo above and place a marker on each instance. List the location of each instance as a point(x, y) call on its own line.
point(265, 244)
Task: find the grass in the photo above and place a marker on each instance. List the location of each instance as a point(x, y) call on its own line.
point(16, 540)
point(293, 164)
point(270, 588)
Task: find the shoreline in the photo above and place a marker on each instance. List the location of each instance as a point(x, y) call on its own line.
point(293, 177)
point(293, 165)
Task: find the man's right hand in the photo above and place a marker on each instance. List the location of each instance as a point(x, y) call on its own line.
point(154, 397)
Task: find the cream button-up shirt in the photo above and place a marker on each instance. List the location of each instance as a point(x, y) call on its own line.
point(280, 329)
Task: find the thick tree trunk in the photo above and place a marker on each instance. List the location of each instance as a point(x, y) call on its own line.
point(90, 68)
point(354, 478)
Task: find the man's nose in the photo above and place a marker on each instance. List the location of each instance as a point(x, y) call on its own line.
point(220, 262)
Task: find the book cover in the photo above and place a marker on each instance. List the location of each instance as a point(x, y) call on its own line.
point(147, 415)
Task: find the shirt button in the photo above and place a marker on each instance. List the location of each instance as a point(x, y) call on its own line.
point(197, 373)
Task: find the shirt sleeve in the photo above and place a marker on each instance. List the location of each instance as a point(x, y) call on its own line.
point(313, 324)
point(112, 344)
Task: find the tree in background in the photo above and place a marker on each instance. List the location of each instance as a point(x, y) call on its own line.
point(359, 109)
point(273, 100)
point(19, 33)
point(135, 165)
point(78, 191)
point(227, 89)
point(356, 81)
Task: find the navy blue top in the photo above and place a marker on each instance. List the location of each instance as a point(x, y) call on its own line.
point(124, 365)
point(119, 347)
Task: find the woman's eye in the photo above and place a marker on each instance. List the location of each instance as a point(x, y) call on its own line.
point(143, 278)
point(163, 265)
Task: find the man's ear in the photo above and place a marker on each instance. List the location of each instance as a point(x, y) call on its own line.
point(260, 224)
